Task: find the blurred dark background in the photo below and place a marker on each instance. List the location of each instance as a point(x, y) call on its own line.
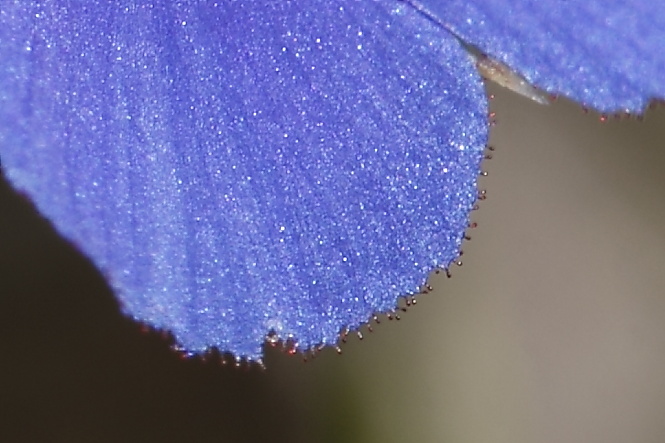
point(553, 329)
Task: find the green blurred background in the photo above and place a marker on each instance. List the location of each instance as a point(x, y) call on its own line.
point(553, 330)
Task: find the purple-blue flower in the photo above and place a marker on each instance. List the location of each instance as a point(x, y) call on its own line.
point(243, 169)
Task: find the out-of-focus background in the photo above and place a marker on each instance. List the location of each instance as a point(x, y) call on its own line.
point(553, 330)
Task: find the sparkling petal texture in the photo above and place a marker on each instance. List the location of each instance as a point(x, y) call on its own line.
point(605, 54)
point(241, 167)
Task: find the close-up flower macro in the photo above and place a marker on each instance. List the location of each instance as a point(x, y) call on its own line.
point(199, 195)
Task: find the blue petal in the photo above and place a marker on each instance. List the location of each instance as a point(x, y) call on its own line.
point(239, 168)
point(605, 54)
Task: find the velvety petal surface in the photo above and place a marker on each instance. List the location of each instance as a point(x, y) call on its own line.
point(243, 167)
point(605, 54)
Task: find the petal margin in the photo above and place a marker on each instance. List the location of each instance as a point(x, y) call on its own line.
point(241, 167)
